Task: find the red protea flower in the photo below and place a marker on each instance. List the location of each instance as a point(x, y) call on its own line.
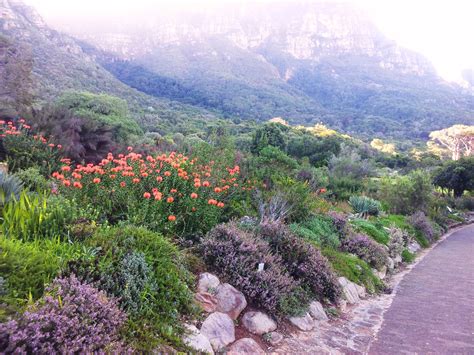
point(123, 184)
point(96, 181)
point(194, 195)
point(220, 205)
point(77, 185)
point(171, 218)
point(147, 195)
point(170, 199)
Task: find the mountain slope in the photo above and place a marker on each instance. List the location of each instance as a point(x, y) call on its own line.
point(57, 64)
point(306, 62)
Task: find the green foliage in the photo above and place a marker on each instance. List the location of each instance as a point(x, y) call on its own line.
point(147, 271)
point(10, 188)
point(106, 110)
point(32, 179)
point(407, 194)
point(365, 206)
point(27, 266)
point(319, 230)
point(354, 269)
point(270, 134)
point(374, 230)
point(407, 256)
point(40, 216)
point(457, 176)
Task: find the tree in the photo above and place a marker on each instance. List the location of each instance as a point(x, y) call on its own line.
point(457, 176)
point(270, 134)
point(382, 146)
point(458, 139)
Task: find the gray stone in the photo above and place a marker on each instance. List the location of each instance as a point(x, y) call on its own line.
point(219, 329)
point(349, 290)
point(274, 338)
point(196, 340)
point(245, 346)
point(316, 311)
point(360, 290)
point(381, 273)
point(414, 247)
point(304, 323)
point(398, 259)
point(208, 283)
point(390, 263)
point(230, 300)
point(258, 323)
point(207, 301)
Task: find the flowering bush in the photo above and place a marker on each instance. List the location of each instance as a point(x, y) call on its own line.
point(235, 255)
point(166, 192)
point(397, 242)
point(23, 149)
point(423, 225)
point(72, 318)
point(303, 261)
point(367, 249)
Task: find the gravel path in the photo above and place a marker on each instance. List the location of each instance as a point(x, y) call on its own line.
point(433, 311)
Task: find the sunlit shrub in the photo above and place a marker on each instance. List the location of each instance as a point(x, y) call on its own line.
point(71, 318)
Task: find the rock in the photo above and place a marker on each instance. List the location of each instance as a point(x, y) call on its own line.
point(197, 341)
point(304, 323)
point(380, 273)
point(414, 247)
point(349, 290)
point(342, 305)
point(219, 329)
point(398, 259)
point(390, 263)
point(316, 311)
point(230, 300)
point(245, 346)
point(207, 301)
point(258, 323)
point(360, 290)
point(273, 338)
point(208, 283)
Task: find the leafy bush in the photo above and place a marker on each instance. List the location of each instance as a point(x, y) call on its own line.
point(40, 216)
point(354, 269)
point(26, 267)
point(146, 271)
point(465, 203)
point(169, 193)
point(375, 231)
point(423, 225)
point(407, 256)
point(365, 206)
point(366, 249)
point(339, 221)
point(303, 261)
point(10, 188)
point(319, 230)
point(235, 254)
point(32, 179)
point(72, 317)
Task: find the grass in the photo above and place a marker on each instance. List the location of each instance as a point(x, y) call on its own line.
point(407, 256)
point(354, 269)
point(374, 230)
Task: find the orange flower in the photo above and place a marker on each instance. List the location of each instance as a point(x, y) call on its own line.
point(173, 191)
point(123, 184)
point(167, 173)
point(206, 183)
point(77, 185)
point(129, 149)
point(170, 199)
point(147, 195)
point(212, 202)
point(66, 168)
point(194, 195)
point(197, 184)
point(136, 181)
point(158, 196)
point(217, 190)
point(96, 181)
point(66, 183)
point(194, 209)
point(220, 205)
point(171, 218)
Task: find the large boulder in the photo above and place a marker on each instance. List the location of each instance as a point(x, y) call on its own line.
point(196, 340)
point(304, 323)
point(219, 329)
point(230, 300)
point(245, 346)
point(207, 301)
point(208, 283)
point(258, 323)
point(349, 290)
point(316, 311)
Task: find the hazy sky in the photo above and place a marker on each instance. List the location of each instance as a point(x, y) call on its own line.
point(442, 30)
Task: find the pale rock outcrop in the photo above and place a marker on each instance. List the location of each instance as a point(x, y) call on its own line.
point(208, 283)
point(219, 329)
point(316, 311)
point(304, 323)
point(258, 323)
point(230, 300)
point(196, 340)
point(245, 346)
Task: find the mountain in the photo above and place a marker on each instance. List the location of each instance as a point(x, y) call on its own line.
point(38, 64)
point(306, 62)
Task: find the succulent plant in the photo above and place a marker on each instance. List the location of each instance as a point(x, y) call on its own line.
point(365, 206)
point(10, 186)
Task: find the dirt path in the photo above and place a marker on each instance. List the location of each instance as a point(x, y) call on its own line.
point(433, 311)
point(439, 292)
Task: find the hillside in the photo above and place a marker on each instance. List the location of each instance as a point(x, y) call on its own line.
point(305, 62)
point(38, 64)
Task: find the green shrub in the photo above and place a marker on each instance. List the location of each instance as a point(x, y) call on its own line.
point(375, 231)
point(407, 256)
point(40, 216)
point(33, 179)
point(365, 206)
point(319, 230)
point(146, 271)
point(26, 267)
point(354, 269)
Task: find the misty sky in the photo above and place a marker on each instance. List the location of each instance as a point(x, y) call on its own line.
point(442, 30)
